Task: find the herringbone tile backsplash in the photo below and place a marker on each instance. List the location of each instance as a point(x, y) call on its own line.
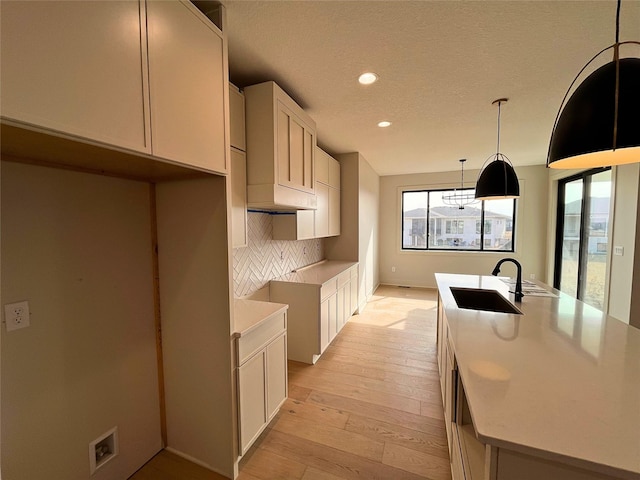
point(265, 259)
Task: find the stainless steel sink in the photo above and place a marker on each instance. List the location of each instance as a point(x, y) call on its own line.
point(481, 299)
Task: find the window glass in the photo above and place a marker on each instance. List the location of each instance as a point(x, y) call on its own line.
point(498, 224)
point(428, 223)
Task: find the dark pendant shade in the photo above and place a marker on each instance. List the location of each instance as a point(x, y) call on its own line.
point(584, 136)
point(497, 181)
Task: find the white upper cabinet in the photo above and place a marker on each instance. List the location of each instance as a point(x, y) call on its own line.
point(238, 169)
point(281, 142)
point(75, 67)
point(238, 174)
point(187, 82)
point(236, 118)
point(327, 215)
point(137, 77)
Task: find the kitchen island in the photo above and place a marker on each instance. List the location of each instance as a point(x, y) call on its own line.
point(551, 393)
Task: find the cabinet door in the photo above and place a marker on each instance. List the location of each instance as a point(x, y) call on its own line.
point(76, 68)
point(187, 86)
point(322, 166)
point(237, 135)
point(251, 397)
point(333, 316)
point(238, 198)
point(334, 211)
point(354, 294)
point(325, 319)
point(321, 214)
point(295, 146)
point(328, 320)
point(450, 381)
point(457, 469)
point(276, 374)
point(341, 310)
point(334, 172)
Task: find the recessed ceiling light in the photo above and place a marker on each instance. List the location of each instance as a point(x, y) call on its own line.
point(368, 78)
point(384, 124)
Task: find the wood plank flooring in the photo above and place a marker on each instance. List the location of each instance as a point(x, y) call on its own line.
point(369, 409)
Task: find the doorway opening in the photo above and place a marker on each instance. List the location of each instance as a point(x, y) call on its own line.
point(582, 236)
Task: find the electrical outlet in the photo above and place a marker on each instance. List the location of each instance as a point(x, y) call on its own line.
point(618, 250)
point(16, 315)
point(532, 276)
point(393, 269)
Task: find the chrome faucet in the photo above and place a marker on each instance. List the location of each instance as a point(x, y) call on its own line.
point(518, 292)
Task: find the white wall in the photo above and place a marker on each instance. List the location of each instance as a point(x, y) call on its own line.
point(369, 218)
point(264, 258)
point(359, 222)
point(77, 247)
point(625, 200)
point(418, 268)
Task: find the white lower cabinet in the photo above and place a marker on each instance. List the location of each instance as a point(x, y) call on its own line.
point(329, 322)
point(261, 376)
point(252, 385)
point(319, 306)
point(276, 368)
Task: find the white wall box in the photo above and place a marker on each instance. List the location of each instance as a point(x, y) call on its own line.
point(320, 299)
point(261, 349)
point(281, 141)
point(112, 73)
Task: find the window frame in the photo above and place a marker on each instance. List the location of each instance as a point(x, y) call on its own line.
point(428, 248)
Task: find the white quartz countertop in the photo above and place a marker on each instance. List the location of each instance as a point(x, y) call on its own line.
point(248, 314)
point(561, 381)
point(317, 273)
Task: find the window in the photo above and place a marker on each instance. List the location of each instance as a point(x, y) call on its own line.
point(429, 224)
point(454, 226)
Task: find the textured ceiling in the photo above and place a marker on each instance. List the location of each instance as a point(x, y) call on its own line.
point(440, 63)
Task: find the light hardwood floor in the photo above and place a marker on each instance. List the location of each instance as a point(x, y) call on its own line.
point(369, 409)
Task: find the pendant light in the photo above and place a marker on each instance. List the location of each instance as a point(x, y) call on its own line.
point(459, 198)
point(600, 124)
point(497, 179)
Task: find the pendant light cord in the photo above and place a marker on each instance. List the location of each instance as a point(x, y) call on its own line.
point(498, 146)
point(616, 59)
point(618, 22)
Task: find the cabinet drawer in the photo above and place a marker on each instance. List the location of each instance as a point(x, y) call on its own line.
point(261, 335)
point(328, 288)
point(343, 278)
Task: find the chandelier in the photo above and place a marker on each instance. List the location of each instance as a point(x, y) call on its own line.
point(460, 198)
